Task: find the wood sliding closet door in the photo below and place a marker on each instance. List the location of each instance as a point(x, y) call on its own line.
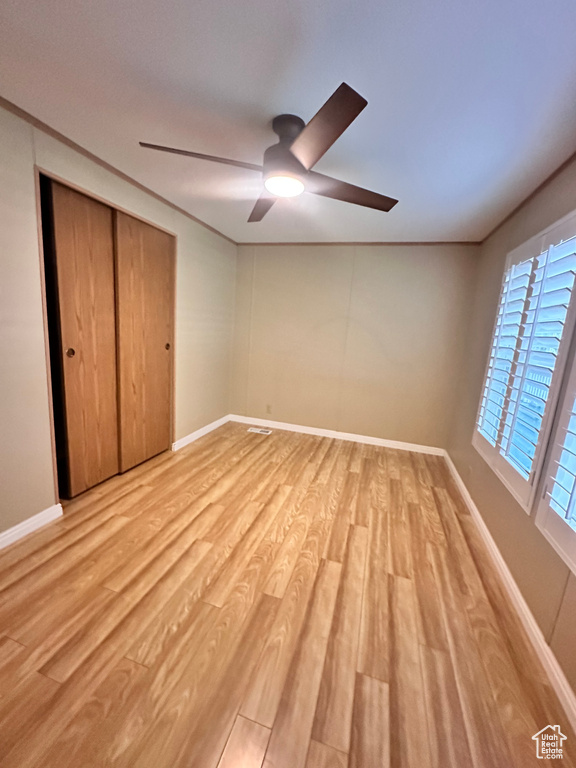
point(84, 246)
point(145, 311)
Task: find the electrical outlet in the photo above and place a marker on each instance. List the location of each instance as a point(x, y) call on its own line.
point(268, 409)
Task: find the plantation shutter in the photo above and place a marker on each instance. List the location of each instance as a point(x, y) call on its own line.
point(561, 494)
point(503, 355)
point(526, 349)
point(556, 515)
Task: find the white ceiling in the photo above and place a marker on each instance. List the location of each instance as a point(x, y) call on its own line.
point(470, 104)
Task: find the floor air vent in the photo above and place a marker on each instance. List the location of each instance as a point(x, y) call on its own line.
point(260, 431)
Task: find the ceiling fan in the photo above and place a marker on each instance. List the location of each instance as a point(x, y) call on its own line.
point(287, 165)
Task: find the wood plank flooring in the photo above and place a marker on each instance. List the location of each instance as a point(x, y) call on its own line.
point(281, 601)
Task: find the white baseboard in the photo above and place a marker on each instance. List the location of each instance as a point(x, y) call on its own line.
point(553, 669)
point(199, 433)
point(31, 524)
point(338, 435)
point(306, 431)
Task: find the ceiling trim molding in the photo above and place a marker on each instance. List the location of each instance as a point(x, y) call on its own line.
point(36, 123)
point(532, 194)
point(375, 242)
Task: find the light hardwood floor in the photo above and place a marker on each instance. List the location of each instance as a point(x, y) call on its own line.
point(282, 601)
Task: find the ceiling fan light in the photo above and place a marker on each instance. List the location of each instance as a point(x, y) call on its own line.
point(284, 186)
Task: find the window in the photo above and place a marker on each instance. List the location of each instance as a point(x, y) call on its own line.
point(527, 358)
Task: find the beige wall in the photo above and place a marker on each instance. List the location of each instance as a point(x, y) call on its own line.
point(205, 267)
point(539, 572)
point(364, 339)
point(26, 476)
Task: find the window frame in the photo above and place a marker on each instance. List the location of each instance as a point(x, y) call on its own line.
point(525, 491)
point(560, 535)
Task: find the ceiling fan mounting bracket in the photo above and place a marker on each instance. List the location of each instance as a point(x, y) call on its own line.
point(287, 127)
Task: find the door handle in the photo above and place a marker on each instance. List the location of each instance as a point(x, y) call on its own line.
point(167, 345)
point(70, 352)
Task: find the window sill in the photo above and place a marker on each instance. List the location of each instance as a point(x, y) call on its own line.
point(503, 471)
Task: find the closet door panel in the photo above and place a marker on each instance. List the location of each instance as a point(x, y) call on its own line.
point(145, 310)
point(84, 244)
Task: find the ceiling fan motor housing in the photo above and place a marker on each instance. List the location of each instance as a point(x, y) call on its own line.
point(279, 161)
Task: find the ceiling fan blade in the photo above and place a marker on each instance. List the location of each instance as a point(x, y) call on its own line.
point(263, 205)
point(330, 122)
point(200, 156)
point(326, 186)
